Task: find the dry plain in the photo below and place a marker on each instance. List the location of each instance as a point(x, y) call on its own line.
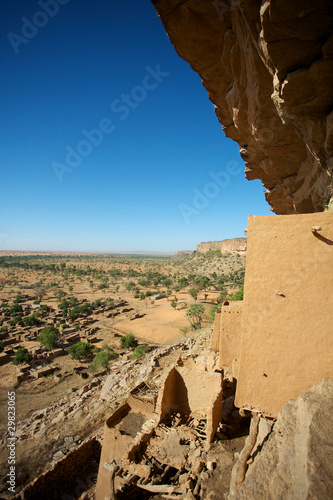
point(124, 293)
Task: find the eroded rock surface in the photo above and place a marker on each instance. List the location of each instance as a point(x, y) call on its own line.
point(296, 461)
point(268, 68)
point(232, 245)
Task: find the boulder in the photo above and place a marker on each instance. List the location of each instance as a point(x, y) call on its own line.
point(296, 460)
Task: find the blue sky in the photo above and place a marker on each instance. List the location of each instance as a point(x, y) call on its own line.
point(108, 139)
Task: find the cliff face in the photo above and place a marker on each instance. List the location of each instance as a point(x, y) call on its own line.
point(268, 68)
point(233, 245)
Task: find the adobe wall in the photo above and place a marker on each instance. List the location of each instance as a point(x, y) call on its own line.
point(194, 392)
point(214, 416)
point(286, 342)
point(114, 447)
point(215, 338)
point(230, 334)
point(68, 477)
point(146, 406)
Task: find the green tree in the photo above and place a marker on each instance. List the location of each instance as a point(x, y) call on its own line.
point(143, 282)
point(75, 313)
point(140, 351)
point(173, 302)
point(128, 341)
point(195, 314)
point(130, 285)
point(64, 304)
point(166, 282)
point(1, 346)
point(31, 320)
point(73, 301)
point(49, 337)
point(14, 320)
point(239, 295)
point(194, 293)
point(212, 311)
point(60, 294)
point(102, 358)
point(183, 282)
point(22, 355)
point(81, 350)
point(15, 309)
point(203, 282)
point(222, 296)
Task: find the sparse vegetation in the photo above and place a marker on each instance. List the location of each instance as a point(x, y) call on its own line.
point(212, 311)
point(194, 293)
point(102, 358)
point(140, 351)
point(239, 295)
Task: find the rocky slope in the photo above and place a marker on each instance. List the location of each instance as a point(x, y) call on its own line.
point(268, 68)
point(232, 245)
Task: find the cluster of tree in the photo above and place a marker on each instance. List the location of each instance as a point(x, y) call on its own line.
point(32, 320)
point(72, 310)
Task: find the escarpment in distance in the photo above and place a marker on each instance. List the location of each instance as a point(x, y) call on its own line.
point(268, 68)
point(233, 245)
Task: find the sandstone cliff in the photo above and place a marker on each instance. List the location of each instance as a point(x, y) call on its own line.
point(268, 68)
point(233, 245)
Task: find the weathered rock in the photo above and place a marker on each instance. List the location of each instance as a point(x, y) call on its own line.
point(58, 456)
point(296, 461)
point(184, 253)
point(268, 68)
point(233, 245)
